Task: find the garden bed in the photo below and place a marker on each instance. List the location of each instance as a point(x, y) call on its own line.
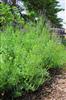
point(54, 89)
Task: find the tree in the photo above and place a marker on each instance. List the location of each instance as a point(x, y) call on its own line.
point(49, 8)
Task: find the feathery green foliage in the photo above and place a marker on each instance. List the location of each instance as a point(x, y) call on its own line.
point(25, 58)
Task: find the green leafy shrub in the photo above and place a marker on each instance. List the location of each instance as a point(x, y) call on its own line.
point(26, 58)
point(10, 15)
point(5, 13)
point(21, 60)
point(55, 55)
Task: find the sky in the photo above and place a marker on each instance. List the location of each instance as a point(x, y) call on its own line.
point(62, 14)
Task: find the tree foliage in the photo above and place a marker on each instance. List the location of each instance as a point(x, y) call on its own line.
point(50, 8)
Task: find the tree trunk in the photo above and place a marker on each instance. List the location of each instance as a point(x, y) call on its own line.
point(14, 2)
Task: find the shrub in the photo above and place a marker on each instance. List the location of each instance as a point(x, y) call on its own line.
point(26, 58)
point(9, 15)
point(55, 55)
point(21, 61)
